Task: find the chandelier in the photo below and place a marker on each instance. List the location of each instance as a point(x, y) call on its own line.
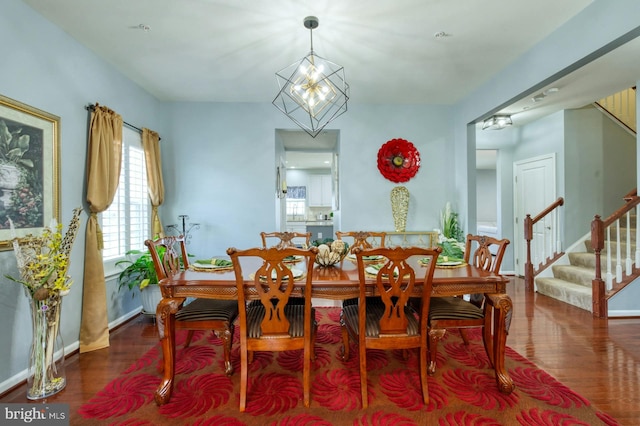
point(313, 91)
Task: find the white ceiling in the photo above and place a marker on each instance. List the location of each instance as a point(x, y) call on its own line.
point(308, 160)
point(229, 50)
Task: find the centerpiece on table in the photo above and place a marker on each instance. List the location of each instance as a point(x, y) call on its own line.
point(330, 252)
point(43, 263)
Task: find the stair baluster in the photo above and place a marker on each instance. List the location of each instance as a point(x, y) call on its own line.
point(551, 245)
point(637, 236)
point(618, 255)
point(629, 263)
point(609, 277)
point(602, 291)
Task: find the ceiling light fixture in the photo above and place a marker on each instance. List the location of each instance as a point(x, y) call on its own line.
point(313, 91)
point(539, 97)
point(497, 122)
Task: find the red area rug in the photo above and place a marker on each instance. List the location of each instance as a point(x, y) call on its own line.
point(462, 392)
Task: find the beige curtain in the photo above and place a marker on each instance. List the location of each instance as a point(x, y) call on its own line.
point(104, 157)
point(151, 146)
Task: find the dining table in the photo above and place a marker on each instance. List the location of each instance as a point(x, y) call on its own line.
point(338, 282)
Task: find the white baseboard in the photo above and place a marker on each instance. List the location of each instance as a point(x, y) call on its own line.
point(124, 318)
point(623, 313)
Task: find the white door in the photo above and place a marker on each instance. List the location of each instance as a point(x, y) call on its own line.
point(534, 190)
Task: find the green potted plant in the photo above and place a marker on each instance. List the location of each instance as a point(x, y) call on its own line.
point(141, 273)
point(450, 226)
point(452, 238)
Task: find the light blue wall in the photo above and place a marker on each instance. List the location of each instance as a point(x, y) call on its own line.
point(619, 162)
point(601, 156)
point(228, 185)
point(486, 186)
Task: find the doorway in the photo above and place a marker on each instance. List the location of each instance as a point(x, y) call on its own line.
point(487, 194)
point(310, 168)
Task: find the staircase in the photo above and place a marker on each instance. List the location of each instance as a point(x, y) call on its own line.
point(570, 278)
point(621, 107)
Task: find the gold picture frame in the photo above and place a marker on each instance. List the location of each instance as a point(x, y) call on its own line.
point(29, 170)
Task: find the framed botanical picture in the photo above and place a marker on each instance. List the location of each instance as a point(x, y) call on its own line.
point(29, 170)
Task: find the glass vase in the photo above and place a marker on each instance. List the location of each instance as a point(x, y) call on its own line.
point(46, 360)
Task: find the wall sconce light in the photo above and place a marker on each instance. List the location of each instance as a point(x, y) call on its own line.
point(497, 122)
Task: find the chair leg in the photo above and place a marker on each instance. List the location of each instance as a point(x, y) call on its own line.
point(189, 337)
point(306, 375)
point(363, 374)
point(226, 335)
point(434, 336)
point(488, 335)
point(463, 334)
point(345, 342)
point(314, 333)
point(244, 367)
point(423, 374)
point(345, 338)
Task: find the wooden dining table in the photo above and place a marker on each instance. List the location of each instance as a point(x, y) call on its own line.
point(339, 282)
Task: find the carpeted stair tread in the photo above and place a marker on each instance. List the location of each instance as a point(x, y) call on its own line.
point(586, 260)
point(573, 283)
point(574, 294)
point(574, 274)
point(623, 233)
point(614, 248)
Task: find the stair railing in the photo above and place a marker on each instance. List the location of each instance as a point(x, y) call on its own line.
point(621, 107)
point(548, 247)
point(604, 233)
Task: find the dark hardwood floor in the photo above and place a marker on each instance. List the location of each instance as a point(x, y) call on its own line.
point(599, 359)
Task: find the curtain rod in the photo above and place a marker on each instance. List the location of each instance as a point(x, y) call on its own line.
point(91, 107)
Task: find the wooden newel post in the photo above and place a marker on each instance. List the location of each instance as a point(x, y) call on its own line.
point(528, 266)
point(598, 302)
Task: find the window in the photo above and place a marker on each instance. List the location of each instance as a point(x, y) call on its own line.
point(126, 223)
point(296, 200)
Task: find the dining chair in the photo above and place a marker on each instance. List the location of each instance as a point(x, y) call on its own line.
point(269, 322)
point(287, 239)
point(455, 312)
point(390, 321)
point(363, 239)
point(201, 313)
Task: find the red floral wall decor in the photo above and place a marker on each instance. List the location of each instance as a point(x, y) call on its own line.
point(398, 160)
